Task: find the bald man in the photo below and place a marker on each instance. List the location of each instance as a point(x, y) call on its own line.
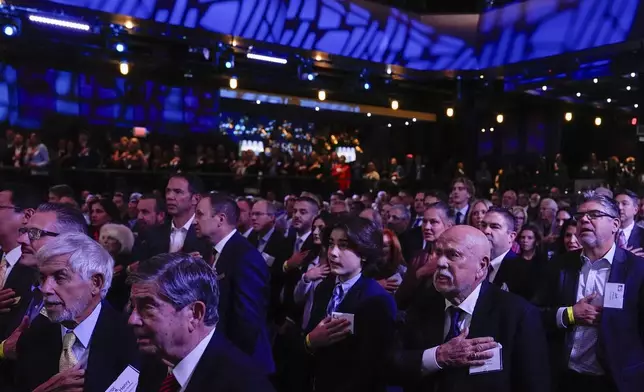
point(461, 320)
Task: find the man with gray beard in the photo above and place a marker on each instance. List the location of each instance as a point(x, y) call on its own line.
point(79, 342)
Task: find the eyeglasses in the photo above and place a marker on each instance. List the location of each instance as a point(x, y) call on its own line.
point(35, 234)
point(592, 215)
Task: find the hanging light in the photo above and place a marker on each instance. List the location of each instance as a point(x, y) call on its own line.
point(321, 95)
point(499, 118)
point(450, 112)
point(233, 83)
point(395, 104)
point(598, 121)
point(124, 68)
point(568, 116)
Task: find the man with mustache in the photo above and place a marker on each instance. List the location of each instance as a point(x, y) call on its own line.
point(462, 320)
point(593, 306)
point(81, 343)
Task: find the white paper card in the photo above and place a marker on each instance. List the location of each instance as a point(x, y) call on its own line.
point(268, 258)
point(493, 364)
point(345, 316)
point(126, 382)
point(614, 295)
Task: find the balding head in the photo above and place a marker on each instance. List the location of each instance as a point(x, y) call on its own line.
point(462, 259)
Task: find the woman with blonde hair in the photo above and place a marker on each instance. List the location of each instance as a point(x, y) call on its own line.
point(118, 241)
point(477, 212)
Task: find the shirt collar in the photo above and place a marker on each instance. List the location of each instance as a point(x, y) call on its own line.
point(13, 255)
point(184, 369)
point(628, 229)
point(220, 245)
point(347, 285)
point(609, 256)
point(187, 225)
point(303, 236)
point(247, 232)
point(499, 259)
point(463, 210)
point(268, 235)
point(85, 329)
point(469, 304)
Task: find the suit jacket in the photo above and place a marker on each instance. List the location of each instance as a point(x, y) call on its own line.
point(358, 362)
point(636, 240)
point(509, 319)
point(620, 347)
point(222, 367)
point(411, 242)
point(21, 279)
point(112, 348)
point(156, 240)
point(519, 275)
point(243, 299)
point(277, 247)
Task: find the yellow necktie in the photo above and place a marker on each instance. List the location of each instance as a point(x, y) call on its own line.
point(67, 358)
point(3, 271)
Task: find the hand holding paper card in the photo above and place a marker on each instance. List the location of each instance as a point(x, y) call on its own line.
point(126, 382)
point(493, 364)
point(345, 316)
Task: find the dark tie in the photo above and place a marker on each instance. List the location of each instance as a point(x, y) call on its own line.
point(170, 384)
point(455, 316)
point(459, 216)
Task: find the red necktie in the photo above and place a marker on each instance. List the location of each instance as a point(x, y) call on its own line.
point(170, 384)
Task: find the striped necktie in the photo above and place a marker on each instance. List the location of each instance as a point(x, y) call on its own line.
point(67, 357)
point(170, 384)
point(3, 270)
point(336, 299)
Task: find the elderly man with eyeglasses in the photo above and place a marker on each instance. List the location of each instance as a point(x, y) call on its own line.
point(593, 305)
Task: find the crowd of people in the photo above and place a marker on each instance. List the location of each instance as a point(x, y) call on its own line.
point(199, 290)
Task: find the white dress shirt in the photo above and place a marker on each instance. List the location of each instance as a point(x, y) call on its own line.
point(12, 258)
point(346, 286)
point(178, 235)
point(83, 332)
point(305, 292)
point(262, 241)
point(628, 231)
point(184, 369)
point(221, 244)
point(496, 265)
point(302, 239)
point(247, 232)
point(463, 212)
point(429, 363)
point(592, 279)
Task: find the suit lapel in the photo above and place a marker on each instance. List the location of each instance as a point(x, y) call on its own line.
point(52, 348)
point(634, 239)
point(101, 349)
point(207, 365)
point(481, 317)
point(166, 231)
point(352, 298)
point(322, 297)
point(619, 267)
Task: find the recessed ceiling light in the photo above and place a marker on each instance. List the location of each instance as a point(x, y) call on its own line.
point(578, 95)
point(609, 100)
point(544, 88)
point(633, 74)
point(595, 80)
point(628, 88)
point(636, 106)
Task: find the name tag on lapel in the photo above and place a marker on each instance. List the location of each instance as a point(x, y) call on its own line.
point(126, 382)
point(614, 296)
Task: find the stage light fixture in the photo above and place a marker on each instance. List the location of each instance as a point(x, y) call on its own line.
point(389, 70)
point(310, 77)
point(499, 118)
point(598, 121)
point(450, 112)
point(59, 23)
point(578, 95)
point(481, 76)
point(366, 86)
point(120, 47)
point(544, 88)
point(124, 68)
point(413, 119)
point(318, 58)
point(389, 125)
point(628, 88)
point(395, 105)
point(368, 114)
point(491, 129)
point(482, 130)
point(321, 95)
point(317, 108)
point(633, 74)
point(268, 59)
point(258, 102)
point(634, 121)
point(233, 42)
point(233, 83)
point(407, 123)
point(568, 116)
point(609, 100)
point(128, 24)
point(10, 30)
point(595, 80)
point(636, 105)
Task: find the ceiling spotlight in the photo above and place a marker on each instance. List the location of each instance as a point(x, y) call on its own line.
point(544, 88)
point(317, 108)
point(578, 95)
point(449, 112)
point(609, 100)
point(598, 121)
point(368, 114)
point(310, 77)
point(483, 130)
point(628, 88)
point(120, 48)
point(321, 95)
point(491, 129)
point(389, 70)
point(366, 85)
point(233, 42)
point(318, 58)
point(389, 125)
point(124, 68)
point(481, 77)
point(407, 123)
point(595, 80)
point(568, 116)
point(232, 83)
point(633, 74)
point(394, 105)
point(10, 30)
point(636, 106)
point(499, 118)
point(128, 25)
point(413, 119)
point(258, 102)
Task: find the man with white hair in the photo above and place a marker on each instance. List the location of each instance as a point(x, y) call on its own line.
point(82, 343)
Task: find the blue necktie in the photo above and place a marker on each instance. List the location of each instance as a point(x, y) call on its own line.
point(455, 316)
point(338, 295)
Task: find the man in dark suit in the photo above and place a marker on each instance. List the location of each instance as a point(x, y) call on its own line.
point(182, 195)
point(461, 196)
point(462, 321)
point(186, 349)
point(630, 236)
point(507, 270)
point(273, 247)
point(243, 278)
point(593, 307)
point(81, 331)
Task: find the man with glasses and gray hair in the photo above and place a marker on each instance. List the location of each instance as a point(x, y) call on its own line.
point(593, 304)
point(175, 299)
point(80, 342)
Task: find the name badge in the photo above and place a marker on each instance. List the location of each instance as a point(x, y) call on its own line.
point(126, 382)
point(493, 364)
point(614, 296)
point(345, 316)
